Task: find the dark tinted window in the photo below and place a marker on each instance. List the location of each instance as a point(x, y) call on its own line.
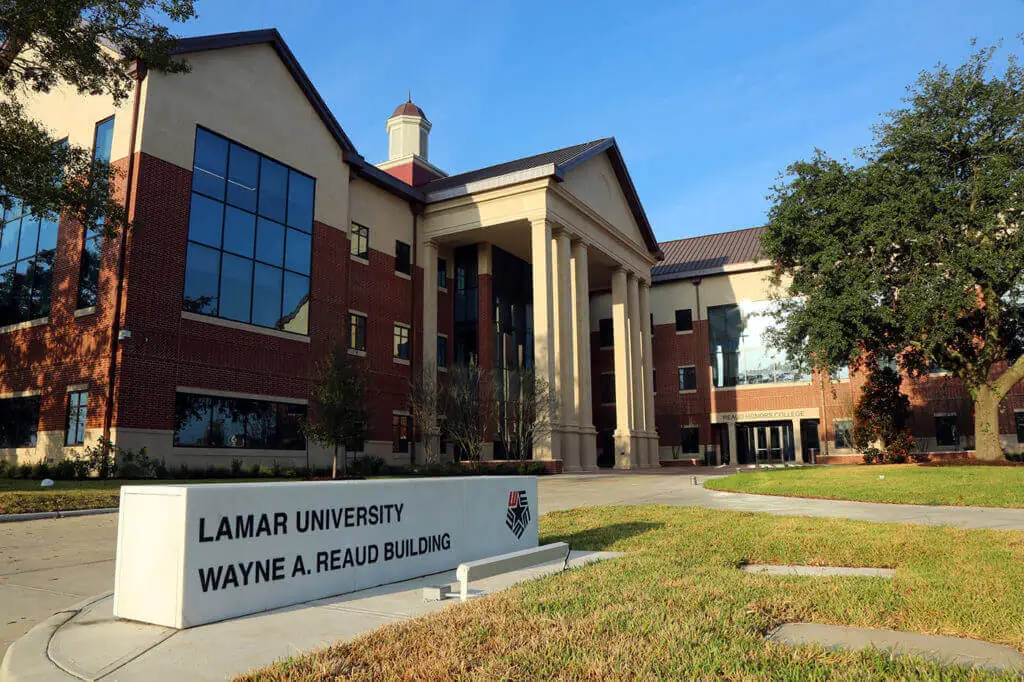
point(89, 272)
point(360, 239)
point(607, 388)
point(684, 320)
point(403, 260)
point(357, 331)
point(687, 378)
point(399, 433)
point(19, 421)
point(605, 332)
point(401, 345)
point(442, 273)
point(689, 439)
point(27, 248)
point(1020, 427)
point(442, 351)
point(947, 432)
point(246, 207)
point(215, 422)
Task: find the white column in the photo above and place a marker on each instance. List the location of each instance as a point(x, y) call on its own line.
point(565, 358)
point(429, 431)
point(581, 326)
point(636, 373)
point(624, 451)
point(543, 323)
point(798, 442)
point(647, 362)
point(734, 445)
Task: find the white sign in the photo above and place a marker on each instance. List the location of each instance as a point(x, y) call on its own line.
point(194, 554)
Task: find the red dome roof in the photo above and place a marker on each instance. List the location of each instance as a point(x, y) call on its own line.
point(407, 108)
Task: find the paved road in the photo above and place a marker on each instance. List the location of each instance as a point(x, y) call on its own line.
point(52, 564)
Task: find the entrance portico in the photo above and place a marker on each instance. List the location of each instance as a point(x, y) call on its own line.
point(578, 233)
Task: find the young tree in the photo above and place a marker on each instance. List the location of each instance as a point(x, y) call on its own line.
point(917, 252)
point(425, 405)
point(338, 415)
point(526, 402)
point(88, 44)
point(882, 412)
point(468, 408)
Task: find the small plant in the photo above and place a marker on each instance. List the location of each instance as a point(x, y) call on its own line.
point(183, 471)
point(872, 455)
point(236, 467)
point(370, 465)
point(254, 470)
point(276, 469)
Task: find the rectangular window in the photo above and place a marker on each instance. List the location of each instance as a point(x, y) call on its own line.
point(684, 320)
point(688, 378)
point(357, 331)
point(689, 438)
point(1019, 416)
point(442, 273)
point(28, 244)
point(360, 239)
point(403, 258)
point(947, 433)
point(216, 422)
point(442, 351)
point(19, 421)
point(401, 346)
point(250, 237)
point(607, 388)
point(740, 349)
point(89, 274)
point(843, 429)
point(605, 335)
point(74, 433)
point(399, 433)
point(654, 380)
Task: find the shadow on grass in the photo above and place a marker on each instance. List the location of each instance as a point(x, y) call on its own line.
point(603, 537)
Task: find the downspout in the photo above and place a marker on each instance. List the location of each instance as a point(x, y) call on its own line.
point(138, 72)
point(414, 251)
point(696, 290)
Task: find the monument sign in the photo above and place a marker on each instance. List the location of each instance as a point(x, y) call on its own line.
point(194, 554)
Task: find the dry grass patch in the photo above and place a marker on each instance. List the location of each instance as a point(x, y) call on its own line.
point(677, 607)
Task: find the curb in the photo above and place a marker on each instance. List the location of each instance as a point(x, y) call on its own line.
point(34, 516)
point(27, 658)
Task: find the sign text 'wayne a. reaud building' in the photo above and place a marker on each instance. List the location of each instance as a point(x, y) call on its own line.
point(194, 554)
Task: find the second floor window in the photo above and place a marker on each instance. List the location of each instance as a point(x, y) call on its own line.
point(28, 244)
point(249, 238)
point(442, 273)
point(687, 378)
point(89, 275)
point(401, 345)
point(360, 241)
point(357, 331)
point(403, 258)
point(684, 320)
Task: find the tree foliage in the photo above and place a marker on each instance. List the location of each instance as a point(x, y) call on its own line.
point(425, 404)
point(916, 250)
point(526, 402)
point(89, 45)
point(882, 414)
point(338, 415)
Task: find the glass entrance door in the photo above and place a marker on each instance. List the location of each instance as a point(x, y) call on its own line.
point(767, 442)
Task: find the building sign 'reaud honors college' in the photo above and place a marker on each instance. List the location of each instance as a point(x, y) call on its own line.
point(194, 554)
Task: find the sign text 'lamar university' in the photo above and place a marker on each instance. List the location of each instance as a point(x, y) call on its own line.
point(194, 554)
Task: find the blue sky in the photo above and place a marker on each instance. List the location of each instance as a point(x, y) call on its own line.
point(708, 100)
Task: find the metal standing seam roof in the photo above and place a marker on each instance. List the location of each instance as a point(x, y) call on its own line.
point(684, 257)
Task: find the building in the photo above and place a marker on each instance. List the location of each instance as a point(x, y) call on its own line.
point(264, 238)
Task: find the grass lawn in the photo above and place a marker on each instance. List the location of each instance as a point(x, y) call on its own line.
point(677, 607)
point(904, 483)
point(20, 496)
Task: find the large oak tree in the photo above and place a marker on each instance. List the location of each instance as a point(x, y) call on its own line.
point(87, 44)
point(915, 251)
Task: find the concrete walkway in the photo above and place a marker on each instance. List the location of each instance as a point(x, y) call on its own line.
point(52, 564)
point(86, 642)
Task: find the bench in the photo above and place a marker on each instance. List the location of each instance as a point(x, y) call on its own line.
point(504, 563)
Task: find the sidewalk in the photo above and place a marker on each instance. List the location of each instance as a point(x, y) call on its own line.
point(86, 642)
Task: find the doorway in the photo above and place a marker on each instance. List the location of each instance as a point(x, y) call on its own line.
point(810, 439)
point(606, 449)
point(765, 442)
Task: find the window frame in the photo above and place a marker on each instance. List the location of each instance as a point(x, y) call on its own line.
point(690, 428)
point(359, 235)
point(442, 274)
point(847, 443)
point(401, 434)
point(82, 303)
point(217, 400)
point(397, 342)
point(79, 417)
point(353, 317)
point(954, 422)
point(254, 261)
point(601, 326)
point(611, 388)
point(32, 403)
point(682, 373)
point(442, 352)
point(403, 259)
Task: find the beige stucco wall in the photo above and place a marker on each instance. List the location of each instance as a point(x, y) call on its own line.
point(246, 94)
point(595, 184)
point(388, 217)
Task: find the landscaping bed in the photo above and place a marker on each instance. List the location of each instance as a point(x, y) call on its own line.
point(946, 484)
point(677, 607)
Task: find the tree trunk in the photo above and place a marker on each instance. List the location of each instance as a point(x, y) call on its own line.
point(334, 464)
point(986, 425)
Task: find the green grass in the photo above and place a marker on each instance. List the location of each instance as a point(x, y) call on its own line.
point(903, 483)
point(21, 496)
point(676, 607)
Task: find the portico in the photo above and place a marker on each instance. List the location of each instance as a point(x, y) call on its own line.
point(574, 225)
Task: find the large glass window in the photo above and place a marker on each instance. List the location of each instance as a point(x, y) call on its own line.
point(843, 429)
point(689, 439)
point(89, 275)
point(27, 247)
point(74, 433)
point(401, 345)
point(216, 422)
point(19, 421)
point(1019, 416)
point(250, 237)
point(947, 432)
point(740, 352)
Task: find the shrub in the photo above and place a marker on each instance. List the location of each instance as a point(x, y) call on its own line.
point(236, 467)
point(920, 457)
point(24, 471)
point(872, 455)
point(369, 465)
point(1015, 456)
point(276, 469)
point(254, 470)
